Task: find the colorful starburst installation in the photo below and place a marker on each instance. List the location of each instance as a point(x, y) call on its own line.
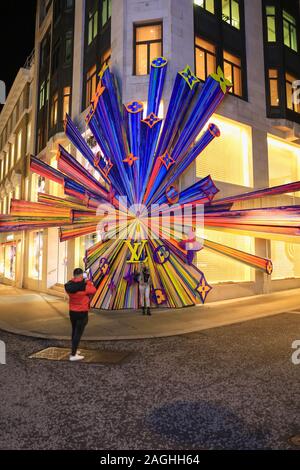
point(136, 167)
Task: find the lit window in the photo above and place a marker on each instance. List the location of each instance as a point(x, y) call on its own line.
point(92, 26)
point(28, 138)
point(274, 90)
point(220, 269)
point(42, 95)
point(6, 163)
point(233, 72)
point(106, 58)
point(208, 5)
point(12, 155)
point(231, 12)
point(54, 110)
point(91, 83)
point(205, 53)
point(106, 11)
point(286, 260)
point(148, 46)
point(291, 94)
point(284, 162)
point(290, 31)
point(229, 158)
point(19, 145)
point(271, 23)
point(66, 101)
point(35, 255)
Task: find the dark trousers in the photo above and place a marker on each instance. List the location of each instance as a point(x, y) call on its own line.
point(79, 321)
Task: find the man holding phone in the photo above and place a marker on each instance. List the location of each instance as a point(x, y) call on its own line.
point(80, 290)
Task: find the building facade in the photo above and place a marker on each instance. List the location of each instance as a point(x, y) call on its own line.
point(257, 45)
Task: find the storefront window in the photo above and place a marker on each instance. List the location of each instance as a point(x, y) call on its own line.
point(36, 255)
point(284, 162)
point(9, 251)
point(286, 260)
point(228, 158)
point(219, 268)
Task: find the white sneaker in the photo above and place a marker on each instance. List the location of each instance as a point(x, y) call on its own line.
point(77, 357)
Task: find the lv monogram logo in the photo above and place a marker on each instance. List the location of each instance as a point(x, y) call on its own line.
point(137, 251)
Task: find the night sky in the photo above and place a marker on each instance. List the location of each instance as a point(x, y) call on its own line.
point(16, 36)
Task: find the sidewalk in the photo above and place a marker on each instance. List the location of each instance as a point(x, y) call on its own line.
point(44, 316)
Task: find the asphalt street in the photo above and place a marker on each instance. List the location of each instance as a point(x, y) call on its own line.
point(232, 387)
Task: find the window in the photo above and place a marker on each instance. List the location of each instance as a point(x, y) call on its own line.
point(91, 83)
point(69, 4)
point(6, 163)
point(273, 87)
point(286, 260)
point(233, 72)
point(106, 11)
point(28, 143)
point(291, 103)
point(148, 46)
point(54, 110)
point(19, 145)
point(35, 255)
point(205, 58)
point(12, 155)
point(229, 158)
point(290, 31)
point(284, 163)
point(271, 23)
point(208, 5)
point(68, 48)
point(66, 101)
point(231, 12)
point(42, 98)
point(220, 269)
point(56, 10)
point(55, 56)
point(105, 58)
point(92, 25)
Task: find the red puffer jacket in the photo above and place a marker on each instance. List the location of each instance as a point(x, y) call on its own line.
point(80, 301)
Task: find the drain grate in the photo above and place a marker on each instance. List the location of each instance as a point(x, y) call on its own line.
point(91, 356)
point(295, 440)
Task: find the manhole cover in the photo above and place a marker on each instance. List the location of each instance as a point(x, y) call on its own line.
point(295, 440)
point(91, 356)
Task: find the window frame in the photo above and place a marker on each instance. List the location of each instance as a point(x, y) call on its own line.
point(273, 16)
point(206, 52)
point(92, 20)
point(233, 65)
point(270, 79)
point(204, 7)
point(88, 85)
point(290, 26)
point(229, 23)
point(147, 43)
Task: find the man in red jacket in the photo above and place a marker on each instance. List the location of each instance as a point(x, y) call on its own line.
point(80, 291)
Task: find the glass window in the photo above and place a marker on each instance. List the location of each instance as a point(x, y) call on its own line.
point(28, 138)
point(106, 11)
point(105, 58)
point(284, 162)
point(273, 87)
point(92, 26)
point(231, 12)
point(69, 4)
point(148, 46)
point(229, 158)
point(286, 260)
point(220, 269)
point(55, 56)
point(19, 145)
point(292, 100)
point(91, 84)
point(208, 5)
point(233, 72)
point(68, 47)
point(54, 110)
point(271, 23)
point(66, 101)
point(42, 97)
point(205, 54)
point(290, 31)
point(12, 155)
point(35, 255)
